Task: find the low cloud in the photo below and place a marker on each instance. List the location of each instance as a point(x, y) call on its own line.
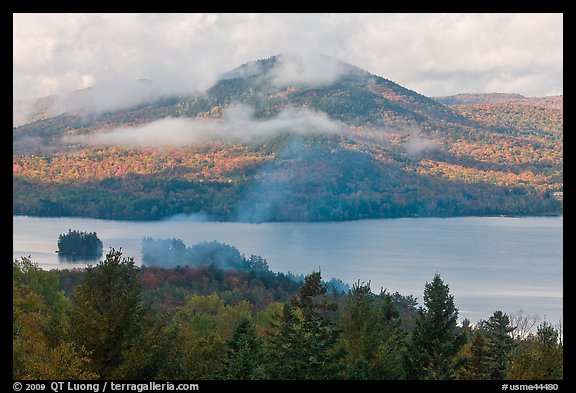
point(238, 124)
point(113, 95)
point(306, 68)
point(417, 143)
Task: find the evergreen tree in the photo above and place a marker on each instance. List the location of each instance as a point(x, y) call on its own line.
point(360, 329)
point(551, 351)
point(392, 346)
point(107, 312)
point(245, 355)
point(154, 353)
point(303, 346)
point(371, 335)
point(500, 342)
point(286, 359)
point(435, 340)
point(359, 369)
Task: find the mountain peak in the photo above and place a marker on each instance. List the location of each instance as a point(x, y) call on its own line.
point(295, 68)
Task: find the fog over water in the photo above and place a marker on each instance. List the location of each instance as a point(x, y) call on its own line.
point(489, 263)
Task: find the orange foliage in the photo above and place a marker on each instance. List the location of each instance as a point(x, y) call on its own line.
point(211, 164)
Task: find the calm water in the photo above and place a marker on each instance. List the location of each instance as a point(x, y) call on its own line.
point(489, 263)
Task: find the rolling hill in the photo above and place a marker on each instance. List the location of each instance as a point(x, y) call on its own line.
point(292, 138)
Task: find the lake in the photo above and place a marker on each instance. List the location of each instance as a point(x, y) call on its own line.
point(489, 263)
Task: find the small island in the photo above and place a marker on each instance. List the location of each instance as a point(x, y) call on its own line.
point(79, 244)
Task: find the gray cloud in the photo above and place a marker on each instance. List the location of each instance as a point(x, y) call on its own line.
point(521, 53)
point(237, 125)
point(306, 68)
point(417, 144)
point(111, 95)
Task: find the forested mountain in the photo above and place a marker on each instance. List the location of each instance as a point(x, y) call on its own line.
point(294, 138)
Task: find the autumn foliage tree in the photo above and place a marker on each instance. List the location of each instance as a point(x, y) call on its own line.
point(41, 345)
point(539, 357)
point(478, 364)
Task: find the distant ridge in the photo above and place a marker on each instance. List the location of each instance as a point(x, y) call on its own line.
point(479, 98)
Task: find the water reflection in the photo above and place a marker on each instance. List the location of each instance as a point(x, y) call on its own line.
point(79, 259)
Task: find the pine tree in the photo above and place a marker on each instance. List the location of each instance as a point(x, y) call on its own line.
point(245, 356)
point(392, 346)
point(500, 342)
point(359, 325)
point(371, 335)
point(359, 369)
point(303, 346)
point(435, 339)
point(107, 312)
point(154, 353)
point(551, 351)
point(286, 360)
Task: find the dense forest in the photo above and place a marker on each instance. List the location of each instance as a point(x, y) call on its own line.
point(313, 179)
point(204, 320)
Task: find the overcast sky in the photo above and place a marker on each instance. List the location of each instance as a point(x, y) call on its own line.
point(432, 54)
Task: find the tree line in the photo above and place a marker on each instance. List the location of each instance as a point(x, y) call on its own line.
point(108, 326)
